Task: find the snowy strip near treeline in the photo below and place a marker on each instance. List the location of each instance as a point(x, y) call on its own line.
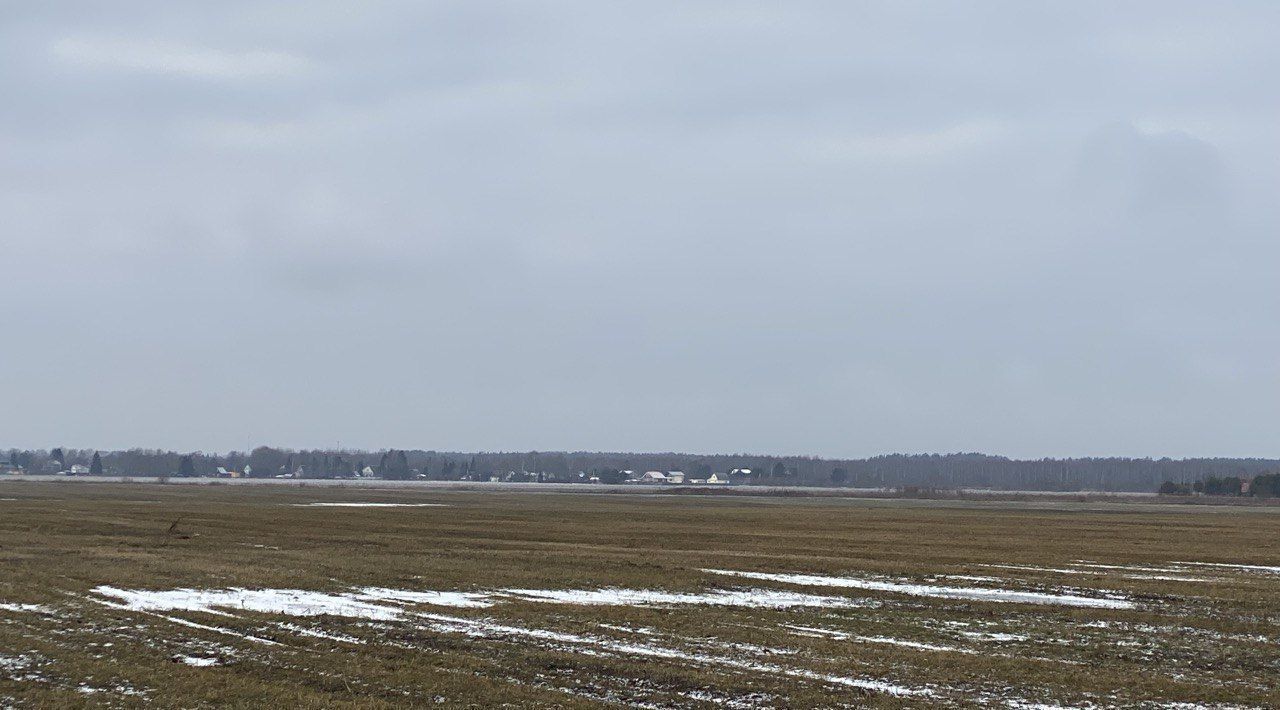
point(928, 590)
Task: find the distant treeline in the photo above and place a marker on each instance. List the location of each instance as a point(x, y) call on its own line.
point(947, 471)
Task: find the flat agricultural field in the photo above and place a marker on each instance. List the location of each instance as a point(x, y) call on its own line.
point(144, 594)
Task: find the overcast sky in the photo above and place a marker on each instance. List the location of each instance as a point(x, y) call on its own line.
point(843, 229)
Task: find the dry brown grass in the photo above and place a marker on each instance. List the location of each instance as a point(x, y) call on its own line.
point(1188, 641)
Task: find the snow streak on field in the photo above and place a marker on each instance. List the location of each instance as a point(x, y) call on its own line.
point(380, 605)
point(356, 604)
point(1112, 601)
point(751, 598)
point(231, 612)
point(369, 505)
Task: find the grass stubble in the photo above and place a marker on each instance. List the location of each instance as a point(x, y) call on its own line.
point(1205, 636)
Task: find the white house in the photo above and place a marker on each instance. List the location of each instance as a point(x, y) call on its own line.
point(718, 478)
point(653, 477)
point(675, 476)
point(78, 469)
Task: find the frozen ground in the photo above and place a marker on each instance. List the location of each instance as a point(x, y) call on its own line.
point(212, 597)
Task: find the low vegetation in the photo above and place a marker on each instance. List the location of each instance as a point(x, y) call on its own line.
point(482, 599)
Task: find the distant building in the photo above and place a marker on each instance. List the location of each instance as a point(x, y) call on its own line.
point(653, 477)
point(675, 476)
point(78, 470)
point(718, 478)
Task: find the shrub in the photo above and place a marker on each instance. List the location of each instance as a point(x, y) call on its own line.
point(1266, 486)
point(1169, 488)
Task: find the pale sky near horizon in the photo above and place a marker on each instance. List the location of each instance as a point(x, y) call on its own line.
point(830, 228)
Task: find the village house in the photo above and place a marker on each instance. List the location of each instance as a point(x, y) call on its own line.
point(653, 477)
point(675, 476)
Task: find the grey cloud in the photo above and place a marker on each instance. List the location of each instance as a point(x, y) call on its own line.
point(1122, 168)
point(835, 228)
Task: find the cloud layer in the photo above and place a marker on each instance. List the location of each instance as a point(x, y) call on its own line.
point(830, 228)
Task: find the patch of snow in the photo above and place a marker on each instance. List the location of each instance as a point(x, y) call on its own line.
point(25, 608)
point(1169, 578)
point(327, 635)
point(909, 644)
point(755, 598)
point(1054, 570)
point(1200, 706)
point(992, 636)
point(843, 636)
point(370, 505)
point(748, 702)
point(356, 604)
point(816, 632)
point(1265, 569)
point(927, 590)
point(199, 661)
point(14, 663)
point(182, 622)
point(288, 602)
point(643, 631)
point(455, 599)
point(483, 628)
point(1127, 568)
